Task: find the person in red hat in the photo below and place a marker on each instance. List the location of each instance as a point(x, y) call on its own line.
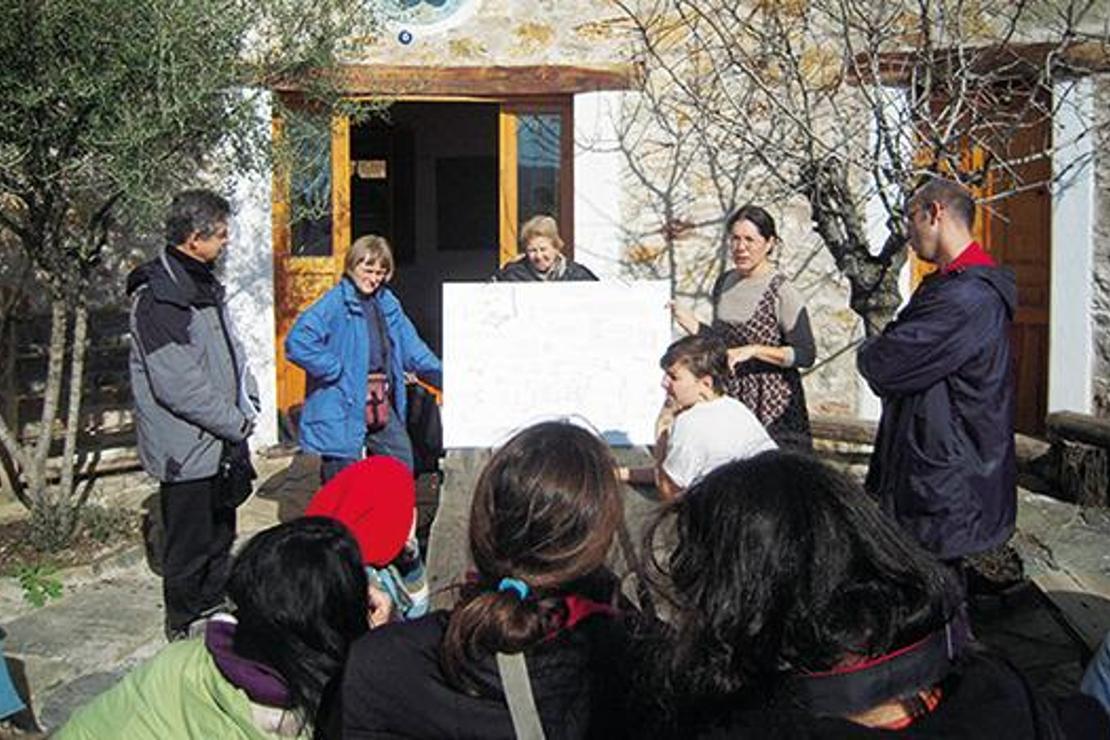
point(375, 499)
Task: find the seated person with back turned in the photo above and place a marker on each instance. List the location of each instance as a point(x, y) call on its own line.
point(534, 647)
point(543, 259)
point(270, 668)
point(709, 429)
point(802, 611)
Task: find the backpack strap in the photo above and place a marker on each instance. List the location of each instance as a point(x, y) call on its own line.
point(518, 695)
point(166, 266)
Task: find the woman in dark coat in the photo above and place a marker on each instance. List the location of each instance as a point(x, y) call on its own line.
point(543, 258)
point(763, 321)
point(545, 511)
point(801, 610)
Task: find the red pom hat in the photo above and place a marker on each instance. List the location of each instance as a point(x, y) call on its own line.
point(375, 499)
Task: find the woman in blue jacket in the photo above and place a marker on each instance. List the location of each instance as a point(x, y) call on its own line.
point(355, 345)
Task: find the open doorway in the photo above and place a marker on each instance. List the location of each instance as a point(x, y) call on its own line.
point(447, 182)
point(426, 178)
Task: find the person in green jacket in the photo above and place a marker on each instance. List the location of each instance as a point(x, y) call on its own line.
point(267, 670)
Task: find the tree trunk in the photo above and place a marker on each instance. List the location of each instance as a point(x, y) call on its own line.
point(872, 278)
point(65, 507)
point(52, 515)
point(36, 470)
point(15, 462)
point(875, 296)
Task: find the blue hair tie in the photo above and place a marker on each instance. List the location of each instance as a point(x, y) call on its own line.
point(514, 584)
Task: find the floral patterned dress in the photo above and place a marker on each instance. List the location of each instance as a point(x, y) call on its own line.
point(775, 394)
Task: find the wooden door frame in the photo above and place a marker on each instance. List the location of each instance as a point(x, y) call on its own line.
point(281, 197)
point(509, 106)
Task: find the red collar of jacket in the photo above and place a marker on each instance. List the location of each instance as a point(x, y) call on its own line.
point(973, 256)
point(578, 609)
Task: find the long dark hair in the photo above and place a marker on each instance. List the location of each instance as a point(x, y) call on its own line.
point(545, 510)
point(782, 565)
point(299, 591)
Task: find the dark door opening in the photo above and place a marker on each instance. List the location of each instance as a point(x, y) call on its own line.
point(426, 178)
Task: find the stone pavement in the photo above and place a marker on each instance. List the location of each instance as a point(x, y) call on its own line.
point(110, 616)
point(80, 645)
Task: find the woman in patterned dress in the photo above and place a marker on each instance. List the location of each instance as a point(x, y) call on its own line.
point(762, 319)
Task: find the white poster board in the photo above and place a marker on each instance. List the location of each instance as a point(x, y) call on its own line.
point(516, 353)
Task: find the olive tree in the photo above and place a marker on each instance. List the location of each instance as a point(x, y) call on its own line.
point(106, 106)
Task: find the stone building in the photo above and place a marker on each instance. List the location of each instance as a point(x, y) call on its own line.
point(503, 108)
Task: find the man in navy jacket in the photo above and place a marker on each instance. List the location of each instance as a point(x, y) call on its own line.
point(944, 462)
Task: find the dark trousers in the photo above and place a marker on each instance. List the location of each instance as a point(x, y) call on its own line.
point(199, 532)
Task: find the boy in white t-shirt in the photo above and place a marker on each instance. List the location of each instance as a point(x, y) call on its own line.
point(709, 428)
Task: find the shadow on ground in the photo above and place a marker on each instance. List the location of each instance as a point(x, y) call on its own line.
point(292, 488)
point(1027, 627)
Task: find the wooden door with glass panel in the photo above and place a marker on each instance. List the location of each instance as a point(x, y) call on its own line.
point(536, 169)
point(311, 233)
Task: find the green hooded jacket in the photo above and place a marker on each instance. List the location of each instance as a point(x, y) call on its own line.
point(179, 693)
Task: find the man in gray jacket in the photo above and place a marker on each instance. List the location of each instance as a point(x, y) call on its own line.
point(195, 404)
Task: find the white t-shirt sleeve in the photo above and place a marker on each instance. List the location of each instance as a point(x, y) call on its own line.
point(686, 459)
point(710, 435)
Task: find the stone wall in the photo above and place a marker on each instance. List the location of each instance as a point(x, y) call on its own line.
point(525, 32)
point(585, 33)
point(1101, 298)
point(831, 385)
point(674, 199)
point(509, 32)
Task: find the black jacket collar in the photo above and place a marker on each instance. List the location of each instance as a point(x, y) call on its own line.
point(176, 278)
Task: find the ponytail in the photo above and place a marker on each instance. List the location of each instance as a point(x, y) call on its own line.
point(545, 511)
point(492, 622)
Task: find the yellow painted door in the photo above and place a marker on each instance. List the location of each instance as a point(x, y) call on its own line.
point(311, 234)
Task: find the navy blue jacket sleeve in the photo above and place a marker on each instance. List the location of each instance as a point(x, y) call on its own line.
point(930, 340)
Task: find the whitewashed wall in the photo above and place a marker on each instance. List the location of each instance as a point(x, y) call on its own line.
point(1100, 314)
point(1070, 336)
point(248, 272)
point(597, 184)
